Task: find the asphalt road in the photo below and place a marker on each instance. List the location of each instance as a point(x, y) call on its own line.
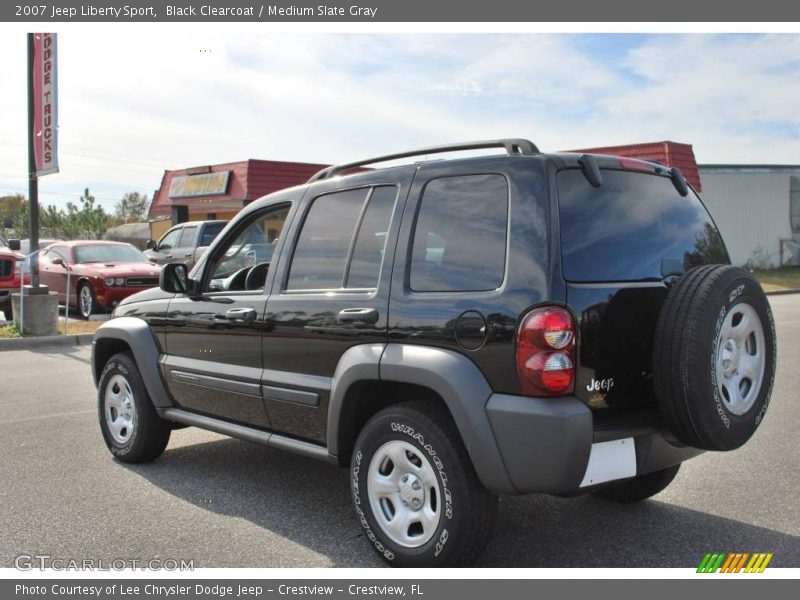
point(226, 503)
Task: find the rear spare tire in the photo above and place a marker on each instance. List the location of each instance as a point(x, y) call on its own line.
point(714, 357)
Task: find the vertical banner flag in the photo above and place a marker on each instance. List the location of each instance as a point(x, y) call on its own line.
point(45, 91)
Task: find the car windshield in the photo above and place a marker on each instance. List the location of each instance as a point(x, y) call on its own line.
point(102, 253)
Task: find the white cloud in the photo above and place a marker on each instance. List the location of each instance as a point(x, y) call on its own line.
point(137, 101)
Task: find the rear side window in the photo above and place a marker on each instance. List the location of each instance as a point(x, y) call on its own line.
point(342, 242)
point(370, 243)
point(210, 232)
point(460, 235)
point(187, 237)
point(634, 227)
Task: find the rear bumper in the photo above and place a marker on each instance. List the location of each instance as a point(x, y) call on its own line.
point(546, 445)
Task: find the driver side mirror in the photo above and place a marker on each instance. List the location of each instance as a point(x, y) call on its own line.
point(151, 245)
point(14, 245)
point(58, 261)
point(174, 278)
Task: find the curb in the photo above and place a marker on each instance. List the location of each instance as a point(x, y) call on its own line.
point(58, 341)
point(782, 292)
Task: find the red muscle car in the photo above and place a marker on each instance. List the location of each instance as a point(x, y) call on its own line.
point(100, 273)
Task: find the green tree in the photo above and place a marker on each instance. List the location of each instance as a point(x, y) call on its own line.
point(22, 222)
point(87, 221)
point(51, 221)
point(132, 208)
point(10, 207)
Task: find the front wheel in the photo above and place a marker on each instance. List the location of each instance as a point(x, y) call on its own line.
point(87, 303)
point(131, 428)
point(415, 490)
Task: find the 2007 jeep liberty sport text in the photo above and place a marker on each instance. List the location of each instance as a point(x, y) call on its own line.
point(451, 331)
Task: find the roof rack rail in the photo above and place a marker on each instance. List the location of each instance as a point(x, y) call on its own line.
point(513, 146)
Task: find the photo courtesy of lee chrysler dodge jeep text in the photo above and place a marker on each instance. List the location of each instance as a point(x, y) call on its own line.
point(451, 331)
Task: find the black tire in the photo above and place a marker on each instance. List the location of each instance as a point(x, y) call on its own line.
point(148, 434)
point(639, 488)
point(86, 311)
point(467, 510)
point(691, 331)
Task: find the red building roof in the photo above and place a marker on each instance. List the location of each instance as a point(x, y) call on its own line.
point(248, 180)
point(669, 154)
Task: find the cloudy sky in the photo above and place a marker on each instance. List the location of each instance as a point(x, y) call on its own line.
point(134, 102)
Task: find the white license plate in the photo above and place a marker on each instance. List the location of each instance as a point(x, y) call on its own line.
point(609, 461)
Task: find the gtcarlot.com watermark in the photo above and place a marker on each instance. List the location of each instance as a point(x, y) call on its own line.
point(42, 562)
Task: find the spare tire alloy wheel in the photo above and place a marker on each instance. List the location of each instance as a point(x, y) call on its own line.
point(740, 358)
point(714, 357)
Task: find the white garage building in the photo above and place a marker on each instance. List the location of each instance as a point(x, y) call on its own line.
point(757, 209)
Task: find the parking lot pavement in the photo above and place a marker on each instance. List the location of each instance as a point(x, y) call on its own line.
point(226, 503)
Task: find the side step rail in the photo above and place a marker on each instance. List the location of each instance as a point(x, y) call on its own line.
point(250, 434)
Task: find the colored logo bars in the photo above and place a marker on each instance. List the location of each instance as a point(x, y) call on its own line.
point(738, 562)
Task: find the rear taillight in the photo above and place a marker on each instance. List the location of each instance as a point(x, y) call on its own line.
point(546, 352)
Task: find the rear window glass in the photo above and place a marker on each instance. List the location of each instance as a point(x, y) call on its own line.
point(633, 227)
point(460, 236)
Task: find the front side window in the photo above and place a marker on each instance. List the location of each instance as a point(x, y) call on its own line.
point(343, 240)
point(170, 240)
point(59, 252)
point(250, 250)
point(460, 235)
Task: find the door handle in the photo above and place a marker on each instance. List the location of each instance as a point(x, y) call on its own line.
point(241, 314)
point(364, 315)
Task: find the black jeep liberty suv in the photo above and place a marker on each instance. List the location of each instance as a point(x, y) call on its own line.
point(454, 330)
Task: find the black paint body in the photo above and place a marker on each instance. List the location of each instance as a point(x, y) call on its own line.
point(275, 372)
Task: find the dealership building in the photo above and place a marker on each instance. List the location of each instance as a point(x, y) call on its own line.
point(220, 191)
point(756, 207)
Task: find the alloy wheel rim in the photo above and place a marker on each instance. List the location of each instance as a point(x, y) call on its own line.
point(120, 407)
point(741, 359)
point(86, 301)
point(404, 494)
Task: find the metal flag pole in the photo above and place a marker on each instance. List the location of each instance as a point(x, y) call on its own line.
point(33, 179)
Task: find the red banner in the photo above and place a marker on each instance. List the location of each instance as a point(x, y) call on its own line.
point(45, 90)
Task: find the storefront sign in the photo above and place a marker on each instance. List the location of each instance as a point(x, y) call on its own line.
point(206, 184)
point(45, 104)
